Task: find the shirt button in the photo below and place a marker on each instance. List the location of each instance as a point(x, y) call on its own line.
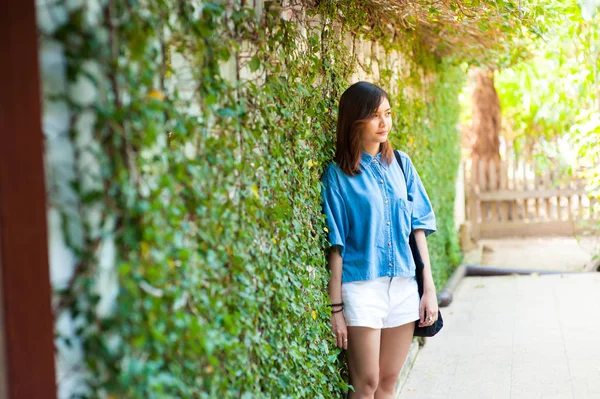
point(386, 201)
point(388, 222)
point(381, 180)
point(389, 243)
point(390, 265)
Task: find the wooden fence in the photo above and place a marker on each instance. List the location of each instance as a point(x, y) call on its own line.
point(514, 199)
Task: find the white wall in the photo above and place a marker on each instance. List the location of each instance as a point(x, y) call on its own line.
point(69, 160)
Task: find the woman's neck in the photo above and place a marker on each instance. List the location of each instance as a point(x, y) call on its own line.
point(372, 149)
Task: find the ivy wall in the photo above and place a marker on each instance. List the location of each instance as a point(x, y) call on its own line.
point(185, 141)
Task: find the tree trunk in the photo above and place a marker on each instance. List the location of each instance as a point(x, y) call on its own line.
point(485, 129)
point(486, 119)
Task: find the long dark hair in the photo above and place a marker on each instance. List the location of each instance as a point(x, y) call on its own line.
point(357, 105)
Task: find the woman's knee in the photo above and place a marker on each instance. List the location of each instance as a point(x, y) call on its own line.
point(387, 382)
point(367, 385)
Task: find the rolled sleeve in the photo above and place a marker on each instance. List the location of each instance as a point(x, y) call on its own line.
point(423, 216)
point(335, 213)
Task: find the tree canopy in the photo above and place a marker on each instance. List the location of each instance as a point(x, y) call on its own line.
point(553, 95)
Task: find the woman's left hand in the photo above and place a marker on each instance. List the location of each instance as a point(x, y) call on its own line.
point(428, 310)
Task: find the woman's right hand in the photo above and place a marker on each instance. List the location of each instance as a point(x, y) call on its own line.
point(338, 326)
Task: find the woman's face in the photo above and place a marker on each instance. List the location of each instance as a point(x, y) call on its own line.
point(378, 125)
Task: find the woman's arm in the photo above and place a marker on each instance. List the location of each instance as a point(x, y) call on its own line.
point(428, 284)
point(429, 305)
point(338, 323)
point(335, 281)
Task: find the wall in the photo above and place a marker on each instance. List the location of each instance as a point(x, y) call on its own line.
point(184, 147)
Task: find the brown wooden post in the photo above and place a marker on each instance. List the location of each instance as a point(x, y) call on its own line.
point(493, 186)
point(580, 198)
point(547, 184)
point(515, 188)
point(559, 186)
point(474, 203)
point(26, 323)
point(504, 188)
point(569, 196)
point(536, 187)
point(482, 188)
point(552, 183)
point(525, 189)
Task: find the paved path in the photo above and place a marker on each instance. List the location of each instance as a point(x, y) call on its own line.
point(541, 253)
point(517, 337)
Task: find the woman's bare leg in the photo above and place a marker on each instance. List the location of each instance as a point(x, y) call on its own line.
point(395, 343)
point(363, 361)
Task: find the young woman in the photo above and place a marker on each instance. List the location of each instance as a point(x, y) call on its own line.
point(373, 291)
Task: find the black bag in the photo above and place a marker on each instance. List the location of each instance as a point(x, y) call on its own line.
point(427, 331)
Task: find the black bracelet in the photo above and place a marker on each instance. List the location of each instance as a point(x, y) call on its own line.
point(336, 304)
point(336, 311)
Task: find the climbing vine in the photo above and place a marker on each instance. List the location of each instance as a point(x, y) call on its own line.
point(212, 126)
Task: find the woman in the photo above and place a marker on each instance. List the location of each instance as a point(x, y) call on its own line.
point(372, 288)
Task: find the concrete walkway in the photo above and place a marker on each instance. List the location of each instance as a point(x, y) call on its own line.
point(514, 337)
point(541, 253)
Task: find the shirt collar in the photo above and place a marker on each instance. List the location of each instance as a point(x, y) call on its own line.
point(368, 158)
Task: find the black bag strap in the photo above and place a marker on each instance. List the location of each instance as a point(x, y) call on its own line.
point(397, 154)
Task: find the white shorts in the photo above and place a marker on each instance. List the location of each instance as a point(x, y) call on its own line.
point(386, 302)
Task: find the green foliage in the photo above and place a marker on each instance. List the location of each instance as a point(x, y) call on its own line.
point(211, 190)
point(427, 127)
point(539, 97)
point(553, 96)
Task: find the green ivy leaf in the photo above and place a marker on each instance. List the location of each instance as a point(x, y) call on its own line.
point(226, 112)
point(254, 63)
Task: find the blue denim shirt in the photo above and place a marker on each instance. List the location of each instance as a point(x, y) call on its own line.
point(370, 217)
